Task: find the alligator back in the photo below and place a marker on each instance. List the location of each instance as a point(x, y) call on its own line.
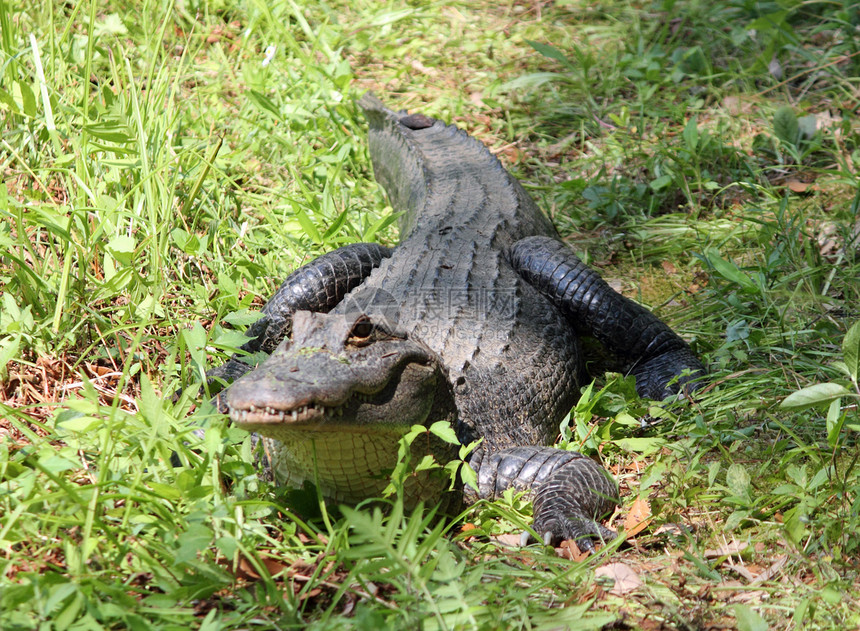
point(511, 357)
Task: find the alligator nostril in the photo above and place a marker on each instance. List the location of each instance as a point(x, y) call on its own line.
point(417, 121)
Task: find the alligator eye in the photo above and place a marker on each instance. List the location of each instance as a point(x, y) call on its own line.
point(361, 331)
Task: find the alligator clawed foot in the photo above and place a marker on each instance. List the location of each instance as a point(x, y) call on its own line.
point(584, 535)
point(581, 529)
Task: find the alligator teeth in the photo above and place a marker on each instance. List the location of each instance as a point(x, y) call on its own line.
point(269, 414)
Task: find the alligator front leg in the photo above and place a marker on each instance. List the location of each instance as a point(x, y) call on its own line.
point(318, 286)
point(570, 491)
point(626, 328)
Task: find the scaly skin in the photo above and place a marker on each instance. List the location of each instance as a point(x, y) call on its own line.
point(474, 318)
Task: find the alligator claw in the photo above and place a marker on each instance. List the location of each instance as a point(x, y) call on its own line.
point(584, 542)
point(579, 528)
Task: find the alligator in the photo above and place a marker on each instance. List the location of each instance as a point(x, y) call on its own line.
point(475, 318)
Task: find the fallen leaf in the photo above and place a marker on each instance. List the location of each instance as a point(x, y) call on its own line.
point(638, 517)
point(727, 549)
point(672, 529)
point(770, 572)
point(568, 549)
point(466, 529)
point(510, 540)
point(797, 186)
point(419, 67)
point(625, 579)
point(246, 569)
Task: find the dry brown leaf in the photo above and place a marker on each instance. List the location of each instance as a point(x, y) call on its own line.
point(616, 284)
point(735, 547)
point(568, 549)
point(743, 571)
point(466, 530)
point(770, 572)
point(510, 540)
point(247, 571)
point(743, 596)
point(626, 579)
point(638, 517)
point(796, 186)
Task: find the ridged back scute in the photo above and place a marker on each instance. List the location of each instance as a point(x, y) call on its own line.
point(397, 165)
point(408, 162)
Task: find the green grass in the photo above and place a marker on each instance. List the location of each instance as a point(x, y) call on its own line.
point(159, 178)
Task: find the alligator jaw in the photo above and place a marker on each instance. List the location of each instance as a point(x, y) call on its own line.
point(257, 418)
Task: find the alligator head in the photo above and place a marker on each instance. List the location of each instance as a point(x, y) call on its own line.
point(338, 396)
point(346, 372)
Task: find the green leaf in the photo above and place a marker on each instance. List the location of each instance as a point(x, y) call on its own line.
point(111, 131)
point(80, 424)
point(307, 225)
point(243, 317)
point(227, 545)
point(111, 25)
point(122, 248)
point(443, 430)
point(468, 475)
point(150, 401)
point(851, 351)
point(730, 271)
point(335, 227)
point(734, 520)
point(808, 125)
point(379, 225)
point(661, 182)
point(819, 394)
point(28, 99)
point(56, 464)
point(785, 125)
point(825, 474)
point(164, 491)
point(192, 542)
point(835, 421)
point(59, 593)
point(552, 52)
point(831, 595)
point(749, 620)
point(7, 100)
point(641, 445)
point(691, 134)
point(738, 480)
point(264, 103)
point(427, 463)
point(8, 351)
